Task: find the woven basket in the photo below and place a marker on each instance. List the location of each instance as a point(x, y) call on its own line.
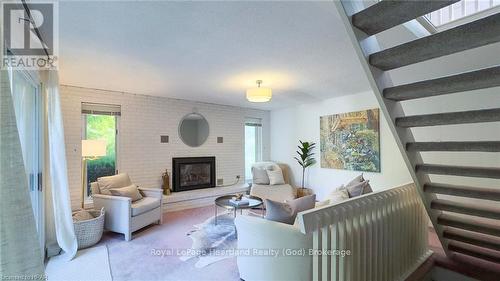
point(89, 232)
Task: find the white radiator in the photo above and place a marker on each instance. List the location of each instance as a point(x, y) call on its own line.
point(385, 232)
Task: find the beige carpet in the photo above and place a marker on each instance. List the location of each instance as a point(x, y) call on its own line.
point(137, 260)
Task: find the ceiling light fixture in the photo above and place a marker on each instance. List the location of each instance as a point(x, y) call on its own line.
point(259, 94)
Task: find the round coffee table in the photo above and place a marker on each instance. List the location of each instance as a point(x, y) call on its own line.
point(223, 201)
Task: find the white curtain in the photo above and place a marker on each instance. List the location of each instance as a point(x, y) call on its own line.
point(20, 253)
point(59, 221)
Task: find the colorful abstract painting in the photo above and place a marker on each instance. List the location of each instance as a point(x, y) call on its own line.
point(351, 141)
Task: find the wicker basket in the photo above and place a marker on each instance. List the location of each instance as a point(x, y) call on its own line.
point(89, 232)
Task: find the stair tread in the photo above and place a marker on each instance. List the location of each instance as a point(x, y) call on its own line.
point(484, 146)
point(471, 223)
point(386, 14)
point(468, 266)
point(450, 118)
point(468, 237)
point(471, 209)
point(474, 251)
point(465, 191)
point(464, 171)
point(468, 36)
point(479, 79)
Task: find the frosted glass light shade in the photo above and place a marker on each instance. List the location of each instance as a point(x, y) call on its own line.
point(93, 148)
point(259, 94)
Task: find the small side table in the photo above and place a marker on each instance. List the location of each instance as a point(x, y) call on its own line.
point(224, 202)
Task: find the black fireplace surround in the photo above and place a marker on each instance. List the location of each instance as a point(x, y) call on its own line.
point(190, 173)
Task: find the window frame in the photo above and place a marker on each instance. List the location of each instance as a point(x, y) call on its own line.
point(116, 115)
point(427, 24)
point(257, 124)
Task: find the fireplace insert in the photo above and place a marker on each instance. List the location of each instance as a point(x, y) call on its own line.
point(190, 173)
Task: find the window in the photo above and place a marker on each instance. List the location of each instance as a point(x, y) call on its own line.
point(27, 102)
point(454, 14)
point(253, 144)
point(101, 123)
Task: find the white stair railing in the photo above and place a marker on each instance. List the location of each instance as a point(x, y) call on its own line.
point(385, 233)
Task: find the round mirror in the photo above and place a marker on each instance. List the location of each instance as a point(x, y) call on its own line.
point(193, 129)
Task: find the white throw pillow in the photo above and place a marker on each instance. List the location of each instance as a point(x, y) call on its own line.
point(130, 191)
point(259, 176)
point(338, 195)
point(322, 203)
point(275, 175)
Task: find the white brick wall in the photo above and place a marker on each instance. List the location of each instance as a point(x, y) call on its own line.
point(143, 120)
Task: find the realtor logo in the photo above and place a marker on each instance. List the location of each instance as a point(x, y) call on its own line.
point(29, 35)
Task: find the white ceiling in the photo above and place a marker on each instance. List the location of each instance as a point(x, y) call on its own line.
point(209, 51)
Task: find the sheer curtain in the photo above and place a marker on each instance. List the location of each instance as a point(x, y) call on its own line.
point(59, 223)
point(27, 105)
point(20, 253)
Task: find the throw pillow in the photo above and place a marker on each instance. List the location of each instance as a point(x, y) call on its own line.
point(130, 191)
point(275, 175)
point(356, 180)
point(322, 203)
point(259, 176)
point(116, 181)
point(357, 190)
point(307, 204)
point(302, 203)
point(286, 212)
point(94, 187)
point(339, 195)
point(368, 188)
point(280, 212)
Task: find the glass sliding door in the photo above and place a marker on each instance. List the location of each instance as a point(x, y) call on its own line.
point(28, 109)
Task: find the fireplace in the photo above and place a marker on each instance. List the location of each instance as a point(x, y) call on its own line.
point(190, 173)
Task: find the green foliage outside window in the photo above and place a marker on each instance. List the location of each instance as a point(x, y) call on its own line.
point(101, 127)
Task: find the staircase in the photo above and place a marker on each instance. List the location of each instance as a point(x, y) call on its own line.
point(465, 217)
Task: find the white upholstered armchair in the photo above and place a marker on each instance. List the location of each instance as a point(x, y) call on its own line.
point(122, 214)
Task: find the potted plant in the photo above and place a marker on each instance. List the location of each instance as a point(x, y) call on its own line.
point(305, 160)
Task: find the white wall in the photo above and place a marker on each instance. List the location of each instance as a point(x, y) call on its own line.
point(143, 120)
point(474, 59)
point(302, 122)
point(290, 125)
point(472, 100)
